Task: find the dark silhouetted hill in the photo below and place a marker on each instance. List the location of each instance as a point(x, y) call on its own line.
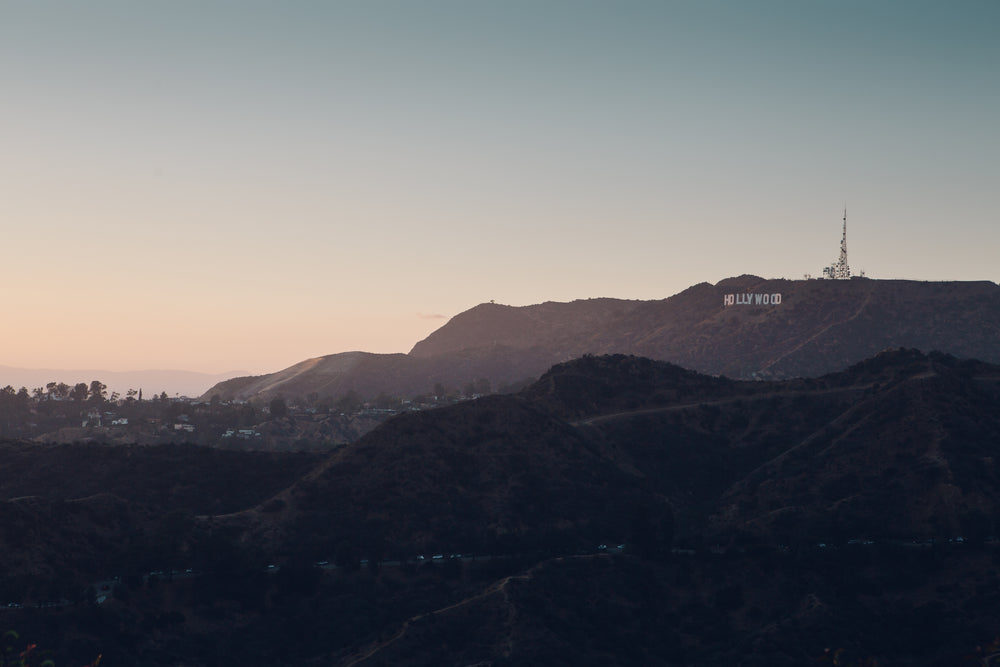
point(496, 474)
point(176, 477)
point(762, 523)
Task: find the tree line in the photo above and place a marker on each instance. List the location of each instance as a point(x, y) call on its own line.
point(95, 393)
point(24, 412)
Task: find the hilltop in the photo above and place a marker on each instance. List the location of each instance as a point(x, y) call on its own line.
point(744, 327)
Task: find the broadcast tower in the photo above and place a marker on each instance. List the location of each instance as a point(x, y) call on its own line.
point(840, 270)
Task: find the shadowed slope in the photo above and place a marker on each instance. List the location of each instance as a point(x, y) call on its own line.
point(497, 473)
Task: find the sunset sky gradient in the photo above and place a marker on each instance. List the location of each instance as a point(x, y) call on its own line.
point(216, 185)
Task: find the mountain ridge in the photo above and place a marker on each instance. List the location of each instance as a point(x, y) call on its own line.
point(742, 327)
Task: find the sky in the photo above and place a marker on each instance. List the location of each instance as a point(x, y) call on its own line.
point(217, 185)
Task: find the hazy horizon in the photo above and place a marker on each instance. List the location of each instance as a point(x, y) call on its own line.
point(152, 381)
point(216, 186)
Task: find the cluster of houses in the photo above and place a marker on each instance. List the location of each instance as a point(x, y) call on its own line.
point(97, 418)
point(182, 424)
point(243, 434)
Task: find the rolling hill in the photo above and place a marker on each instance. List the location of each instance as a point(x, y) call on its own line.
point(897, 446)
point(761, 523)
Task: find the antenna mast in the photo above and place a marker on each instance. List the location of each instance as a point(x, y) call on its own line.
point(840, 270)
point(843, 270)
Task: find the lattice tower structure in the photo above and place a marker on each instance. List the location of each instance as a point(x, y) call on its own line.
point(840, 270)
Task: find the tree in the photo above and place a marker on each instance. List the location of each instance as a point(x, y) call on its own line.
point(98, 392)
point(349, 402)
point(247, 415)
point(79, 392)
point(278, 407)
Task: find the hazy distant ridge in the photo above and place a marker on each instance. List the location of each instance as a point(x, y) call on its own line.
point(185, 383)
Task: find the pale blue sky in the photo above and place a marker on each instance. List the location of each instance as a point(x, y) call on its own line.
point(215, 185)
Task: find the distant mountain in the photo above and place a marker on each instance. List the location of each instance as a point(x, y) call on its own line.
point(185, 383)
point(745, 327)
point(772, 328)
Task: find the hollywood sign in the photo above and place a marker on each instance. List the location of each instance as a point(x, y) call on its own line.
point(751, 299)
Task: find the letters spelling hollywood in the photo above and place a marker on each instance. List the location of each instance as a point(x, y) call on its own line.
point(751, 299)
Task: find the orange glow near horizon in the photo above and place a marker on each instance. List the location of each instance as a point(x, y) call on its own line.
point(241, 187)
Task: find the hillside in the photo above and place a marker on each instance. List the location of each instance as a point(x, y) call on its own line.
point(599, 440)
point(814, 327)
point(332, 375)
point(494, 474)
point(898, 446)
point(760, 523)
point(819, 326)
point(175, 477)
